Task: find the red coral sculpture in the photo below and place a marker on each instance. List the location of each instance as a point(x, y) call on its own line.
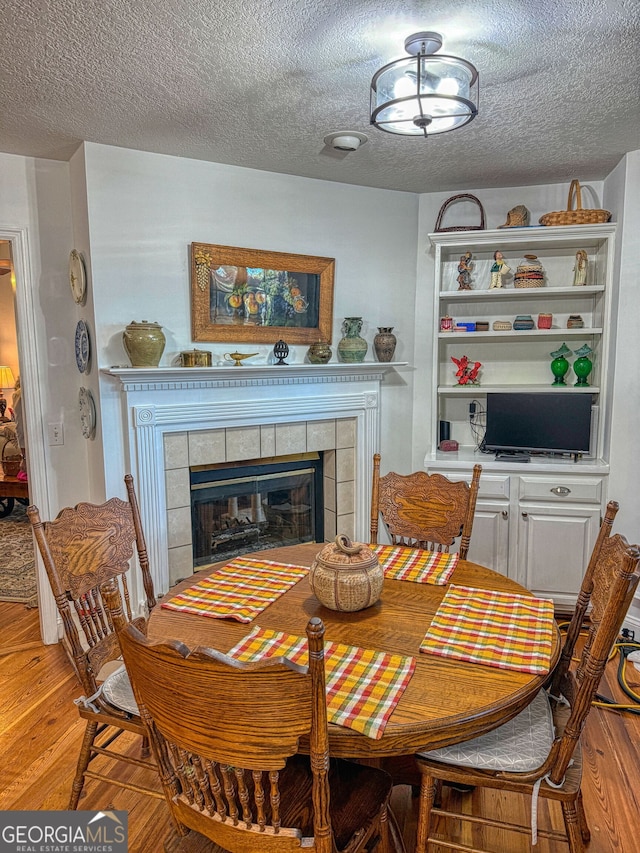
point(467, 373)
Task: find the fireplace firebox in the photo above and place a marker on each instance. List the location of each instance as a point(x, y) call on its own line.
point(254, 505)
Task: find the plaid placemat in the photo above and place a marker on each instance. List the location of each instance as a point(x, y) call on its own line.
point(363, 686)
point(413, 564)
point(496, 628)
point(240, 590)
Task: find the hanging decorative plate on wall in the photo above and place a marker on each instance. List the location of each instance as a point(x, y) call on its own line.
point(77, 277)
point(87, 413)
point(83, 347)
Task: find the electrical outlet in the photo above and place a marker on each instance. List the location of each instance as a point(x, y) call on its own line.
point(56, 434)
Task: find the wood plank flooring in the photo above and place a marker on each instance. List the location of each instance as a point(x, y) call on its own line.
point(40, 736)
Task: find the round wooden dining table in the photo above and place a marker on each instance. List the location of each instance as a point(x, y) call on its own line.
point(446, 700)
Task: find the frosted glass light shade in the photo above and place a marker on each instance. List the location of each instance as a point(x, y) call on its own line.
point(424, 94)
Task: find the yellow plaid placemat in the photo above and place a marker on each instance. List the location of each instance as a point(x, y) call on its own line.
point(363, 686)
point(240, 590)
point(496, 628)
point(413, 564)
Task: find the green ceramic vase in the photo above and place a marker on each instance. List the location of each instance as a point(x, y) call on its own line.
point(352, 348)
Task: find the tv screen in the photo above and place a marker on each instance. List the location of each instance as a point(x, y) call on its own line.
point(538, 423)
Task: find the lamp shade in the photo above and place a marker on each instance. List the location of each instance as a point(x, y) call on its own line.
point(7, 379)
point(423, 94)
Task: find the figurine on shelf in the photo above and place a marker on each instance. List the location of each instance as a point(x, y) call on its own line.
point(580, 269)
point(498, 270)
point(467, 373)
point(464, 272)
point(281, 351)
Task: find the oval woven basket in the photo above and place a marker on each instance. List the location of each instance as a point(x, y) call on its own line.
point(439, 229)
point(577, 216)
point(10, 463)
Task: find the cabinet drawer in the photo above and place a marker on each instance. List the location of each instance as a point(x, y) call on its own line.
point(562, 489)
point(491, 485)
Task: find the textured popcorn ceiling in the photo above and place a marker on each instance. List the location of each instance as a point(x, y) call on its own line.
point(261, 83)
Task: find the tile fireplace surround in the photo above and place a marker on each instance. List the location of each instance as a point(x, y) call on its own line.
point(180, 417)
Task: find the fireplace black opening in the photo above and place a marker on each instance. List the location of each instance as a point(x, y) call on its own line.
point(255, 505)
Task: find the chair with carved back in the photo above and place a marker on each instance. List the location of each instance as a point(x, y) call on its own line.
point(597, 577)
point(424, 510)
point(226, 734)
point(538, 752)
point(81, 548)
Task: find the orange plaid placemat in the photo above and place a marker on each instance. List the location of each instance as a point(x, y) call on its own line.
point(413, 564)
point(240, 590)
point(363, 686)
point(496, 628)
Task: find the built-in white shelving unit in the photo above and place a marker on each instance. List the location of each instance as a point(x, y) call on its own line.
point(536, 522)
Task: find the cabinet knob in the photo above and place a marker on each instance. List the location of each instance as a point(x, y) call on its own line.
point(505, 514)
point(560, 490)
point(525, 515)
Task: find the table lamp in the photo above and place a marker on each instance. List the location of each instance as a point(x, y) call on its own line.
point(7, 380)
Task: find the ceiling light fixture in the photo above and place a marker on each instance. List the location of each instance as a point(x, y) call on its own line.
point(423, 94)
point(345, 140)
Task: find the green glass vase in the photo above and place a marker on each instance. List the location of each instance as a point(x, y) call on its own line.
point(583, 365)
point(559, 368)
point(560, 365)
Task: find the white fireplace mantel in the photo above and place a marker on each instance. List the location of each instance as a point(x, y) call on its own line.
point(164, 400)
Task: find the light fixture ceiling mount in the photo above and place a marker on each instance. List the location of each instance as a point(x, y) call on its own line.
point(424, 94)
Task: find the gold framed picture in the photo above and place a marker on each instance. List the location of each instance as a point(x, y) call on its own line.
point(251, 295)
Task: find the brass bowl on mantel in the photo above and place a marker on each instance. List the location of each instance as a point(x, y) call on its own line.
point(195, 358)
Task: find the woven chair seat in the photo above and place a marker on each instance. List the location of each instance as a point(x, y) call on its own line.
point(117, 690)
point(519, 746)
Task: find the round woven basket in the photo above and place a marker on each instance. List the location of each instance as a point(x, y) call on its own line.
point(579, 216)
point(346, 575)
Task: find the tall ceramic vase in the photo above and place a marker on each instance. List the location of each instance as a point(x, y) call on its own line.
point(352, 348)
point(384, 343)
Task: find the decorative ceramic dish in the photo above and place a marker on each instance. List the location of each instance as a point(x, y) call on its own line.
point(77, 277)
point(83, 347)
point(87, 412)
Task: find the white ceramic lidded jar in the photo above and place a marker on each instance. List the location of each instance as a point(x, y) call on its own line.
point(144, 343)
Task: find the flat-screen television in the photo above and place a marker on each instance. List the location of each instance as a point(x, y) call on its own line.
point(538, 423)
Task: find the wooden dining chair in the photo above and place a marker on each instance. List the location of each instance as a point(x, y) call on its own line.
point(81, 548)
point(226, 735)
point(597, 578)
point(424, 510)
point(538, 752)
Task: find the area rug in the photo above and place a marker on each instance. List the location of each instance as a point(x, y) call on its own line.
point(17, 559)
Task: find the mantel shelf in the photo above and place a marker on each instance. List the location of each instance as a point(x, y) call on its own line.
point(177, 376)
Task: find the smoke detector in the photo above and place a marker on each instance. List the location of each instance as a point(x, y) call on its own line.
point(345, 140)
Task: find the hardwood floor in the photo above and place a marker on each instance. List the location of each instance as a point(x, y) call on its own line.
point(40, 736)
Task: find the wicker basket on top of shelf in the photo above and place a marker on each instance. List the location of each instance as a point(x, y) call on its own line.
point(579, 216)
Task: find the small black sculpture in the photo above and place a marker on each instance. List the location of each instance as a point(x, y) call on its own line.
point(281, 351)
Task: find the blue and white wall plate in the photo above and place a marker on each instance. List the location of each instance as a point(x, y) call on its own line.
point(83, 347)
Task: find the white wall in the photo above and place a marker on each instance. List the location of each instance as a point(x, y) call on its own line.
point(621, 191)
point(144, 211)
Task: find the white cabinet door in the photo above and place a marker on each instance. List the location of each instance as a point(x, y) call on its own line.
point(490, 536)
point(554, 546)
